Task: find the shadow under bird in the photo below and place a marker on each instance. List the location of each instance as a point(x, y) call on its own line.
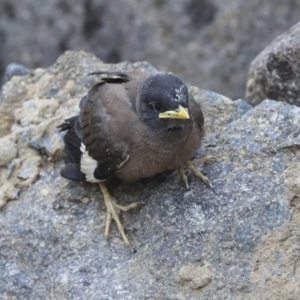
point(133, 126)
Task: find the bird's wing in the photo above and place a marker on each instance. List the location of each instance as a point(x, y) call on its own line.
point(105, 125)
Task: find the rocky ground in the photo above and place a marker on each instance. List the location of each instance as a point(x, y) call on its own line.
point(237, 240)
point(210, 43)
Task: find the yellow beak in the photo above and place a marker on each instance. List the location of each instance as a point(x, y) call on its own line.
point(180, 113)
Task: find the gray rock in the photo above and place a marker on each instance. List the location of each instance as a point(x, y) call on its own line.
point(14, 69)
point(238, 240)
point(210, 43)
point(275, 72)
point(8, 151)
point(29, 170)
point(15, 163)
point(26, 172)
point(37, 144)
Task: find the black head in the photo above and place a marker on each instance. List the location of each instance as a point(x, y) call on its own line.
point(163, 104)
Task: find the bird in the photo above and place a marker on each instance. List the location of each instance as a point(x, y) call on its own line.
point(132, 126)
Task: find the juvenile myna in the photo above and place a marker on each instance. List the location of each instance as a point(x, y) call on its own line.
point(133, 126)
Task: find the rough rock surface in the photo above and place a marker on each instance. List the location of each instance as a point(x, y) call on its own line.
point(275, 72)
point(209, 42)
point(237, 240)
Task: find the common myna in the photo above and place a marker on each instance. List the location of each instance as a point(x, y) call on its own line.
point(133, 126)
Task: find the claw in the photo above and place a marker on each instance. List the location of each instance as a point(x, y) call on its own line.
point(130, 206)
point(184, 177)
point(203, 160)
point(191, 165)
point(113, 211)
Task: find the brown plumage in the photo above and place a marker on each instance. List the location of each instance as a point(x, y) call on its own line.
point(133, 126)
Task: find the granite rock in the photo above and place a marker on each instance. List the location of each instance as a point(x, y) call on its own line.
point(237, 240)
point(275, 72)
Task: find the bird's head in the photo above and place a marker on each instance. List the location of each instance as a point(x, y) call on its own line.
point(163, 105)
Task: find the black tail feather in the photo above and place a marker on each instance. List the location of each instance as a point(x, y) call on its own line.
point(71, 140)
point(72, 172)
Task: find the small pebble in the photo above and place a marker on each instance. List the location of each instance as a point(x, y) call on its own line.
point(85, 200)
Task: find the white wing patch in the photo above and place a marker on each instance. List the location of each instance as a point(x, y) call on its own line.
point(88, 165)
point(82, 148)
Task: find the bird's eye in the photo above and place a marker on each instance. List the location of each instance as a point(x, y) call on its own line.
point(157, 108)
point(177, 97)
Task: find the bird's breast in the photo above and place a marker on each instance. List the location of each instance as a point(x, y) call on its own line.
point(149, 159)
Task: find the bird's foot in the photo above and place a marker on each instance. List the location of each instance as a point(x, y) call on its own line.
point(113, 212)
point(201, 161)
point(192, 166)
point(198, 174)
point(184, 177)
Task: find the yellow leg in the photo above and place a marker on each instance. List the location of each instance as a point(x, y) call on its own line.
point(192, 166)
point(113, 211)
point(198, 174)
point(184, 177)
point(203, 160)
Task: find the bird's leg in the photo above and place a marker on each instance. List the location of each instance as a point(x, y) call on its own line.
point(197, 173)
point(191, 165)
point(183, 176)
point(113, 211)
point(198, 162)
